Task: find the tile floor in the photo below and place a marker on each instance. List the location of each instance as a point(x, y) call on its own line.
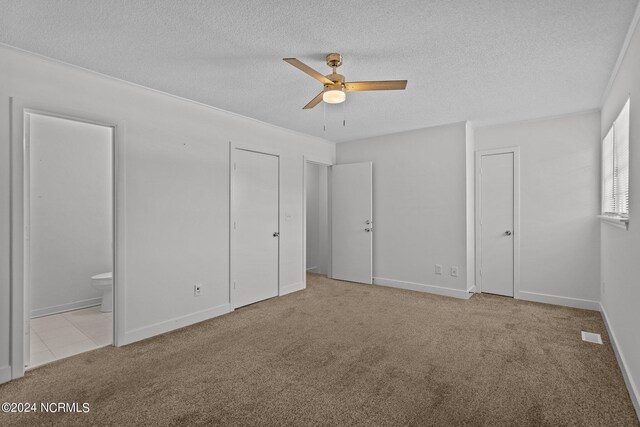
point(65, 334)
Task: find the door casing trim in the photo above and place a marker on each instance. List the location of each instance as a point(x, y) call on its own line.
point(18, 109)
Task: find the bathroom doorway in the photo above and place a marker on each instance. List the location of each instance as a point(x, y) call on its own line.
point(317, 234)
point(69, 236)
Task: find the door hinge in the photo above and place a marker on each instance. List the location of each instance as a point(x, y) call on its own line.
point(234, 285)
point(234, 166)
point(234, 225)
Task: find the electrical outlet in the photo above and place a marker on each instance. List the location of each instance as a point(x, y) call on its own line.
point(454, 271)
point(197, 290)
point(438, 268)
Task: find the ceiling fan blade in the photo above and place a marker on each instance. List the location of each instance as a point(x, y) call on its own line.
point(306, 69)
point(315, 101)
point(382, 85)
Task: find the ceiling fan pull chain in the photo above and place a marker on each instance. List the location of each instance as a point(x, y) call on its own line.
point(344, 114)
point(324, 117)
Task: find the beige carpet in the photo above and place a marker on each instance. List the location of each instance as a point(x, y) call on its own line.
point(348, 354)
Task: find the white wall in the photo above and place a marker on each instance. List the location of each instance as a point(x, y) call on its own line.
point(470, 205)
point(559, 201)
point(620, 252)
point(423, 205)
point(419, 206)
point(71, 212)
point(176, 173)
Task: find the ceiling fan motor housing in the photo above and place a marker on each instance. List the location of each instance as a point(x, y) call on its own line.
point(336, 78)
point(337, 86)
point(334, 60)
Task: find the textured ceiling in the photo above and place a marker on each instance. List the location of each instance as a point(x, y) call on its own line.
point(480, 60)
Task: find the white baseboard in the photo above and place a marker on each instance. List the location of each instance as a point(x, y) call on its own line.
point(556, 300)
point(76, 305)
point(312, 270)
point(5, 374)
point(292, 288)
point(472, 289)
point(175, 323)
point(420, 287)
point(628, 380)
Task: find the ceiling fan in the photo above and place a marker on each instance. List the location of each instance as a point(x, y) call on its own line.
point(335, 87)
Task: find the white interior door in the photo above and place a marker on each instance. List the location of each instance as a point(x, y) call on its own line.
point(255, 227)
point(352, 222)
point(497, 223)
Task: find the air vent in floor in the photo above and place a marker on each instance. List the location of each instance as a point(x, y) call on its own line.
point(591, 337)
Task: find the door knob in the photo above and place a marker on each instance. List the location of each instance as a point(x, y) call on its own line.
point(276, 234)
point(507, 233)
point(368, 222)
point(368, 230)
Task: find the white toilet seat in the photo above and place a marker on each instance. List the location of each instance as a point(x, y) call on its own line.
point(101, 276)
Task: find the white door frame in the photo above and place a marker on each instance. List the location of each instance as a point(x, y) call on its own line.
point(516, 215)
point(306, 160)
point(232, 159)
point(19, 110)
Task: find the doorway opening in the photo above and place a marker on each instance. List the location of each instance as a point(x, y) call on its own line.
point(317, 211)
point(69, 237)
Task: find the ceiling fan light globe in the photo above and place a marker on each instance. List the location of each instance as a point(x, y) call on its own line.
point(334, 96)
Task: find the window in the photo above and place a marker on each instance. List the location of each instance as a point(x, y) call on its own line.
point(615, 169)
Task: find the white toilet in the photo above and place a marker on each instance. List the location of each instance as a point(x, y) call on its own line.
point(104, 283)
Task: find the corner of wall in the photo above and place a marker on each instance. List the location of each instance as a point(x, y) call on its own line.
point(634, 393)
point(622, 54)
point(619, 270)
point(470, 204)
